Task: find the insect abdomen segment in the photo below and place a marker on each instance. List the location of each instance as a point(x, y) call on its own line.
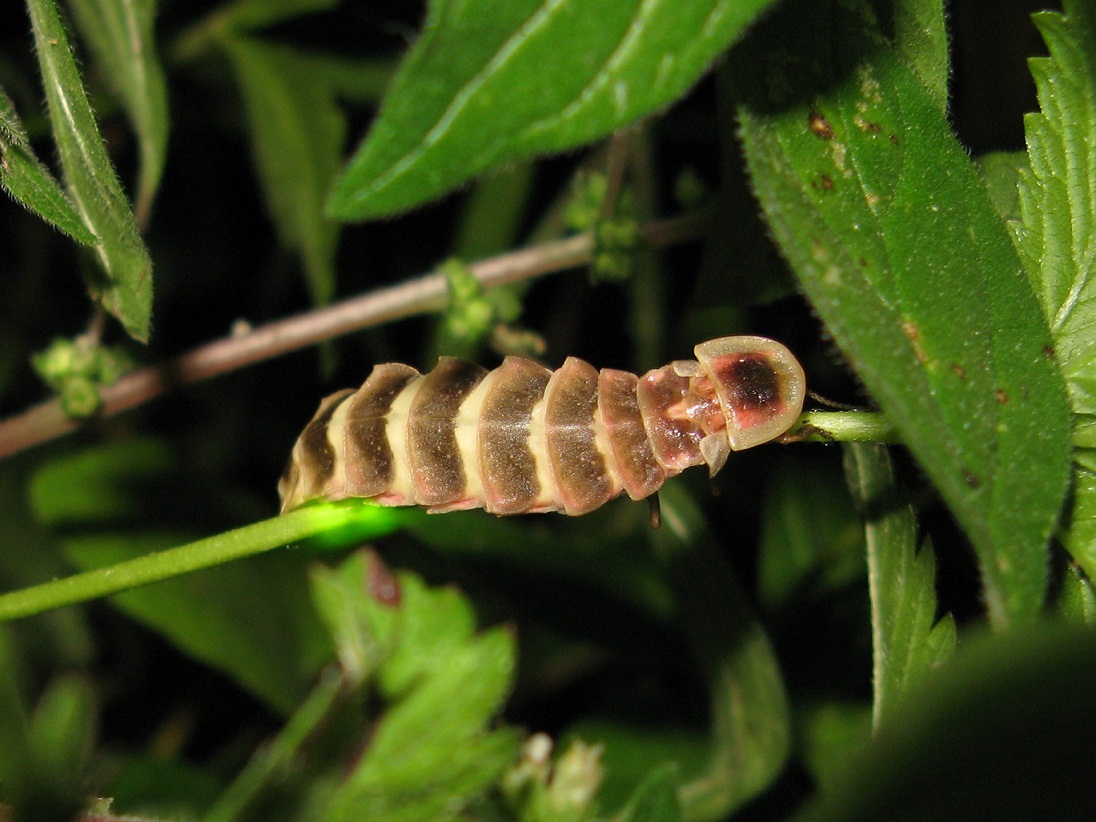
point(524, 439)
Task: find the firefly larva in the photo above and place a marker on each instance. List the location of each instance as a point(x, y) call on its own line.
point(523, 439)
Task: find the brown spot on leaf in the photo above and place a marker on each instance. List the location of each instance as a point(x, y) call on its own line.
point(1001, 395)
point(820, 127)
point(959, 371)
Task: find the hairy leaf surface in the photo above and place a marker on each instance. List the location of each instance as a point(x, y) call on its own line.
point(886, 222)
point(490, 82)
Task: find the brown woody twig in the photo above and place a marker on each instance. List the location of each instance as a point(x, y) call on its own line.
point(46, 421)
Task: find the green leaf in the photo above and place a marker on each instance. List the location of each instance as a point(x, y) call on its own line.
point(1056, 234)
point(750, 724)
point(223, 616)
point(656, 798)
point(921, 35)
point(906, 644)
point(1004, 731)
point(125, 286)
point(1077, 598)
point(121, 34)
point(431, 751)
point(811, 537)
point(244, 15)
point(30, 182)
point(96, 499)
point(489, 82)
point(63, 728)
point(886, 222)
point(297, 134)
point(832, 734)
point(1001, 173)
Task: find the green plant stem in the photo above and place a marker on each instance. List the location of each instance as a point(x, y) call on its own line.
point(205, 553)
point(842, 426)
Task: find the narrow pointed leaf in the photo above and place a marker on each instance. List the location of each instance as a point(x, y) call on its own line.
point(297, 135)
point(887, 224)
point(125, 285)
point(1056, 233)
point(29, 182)
point(491, 82)
point(921, 35)
point(121, 34)
point(901, 579)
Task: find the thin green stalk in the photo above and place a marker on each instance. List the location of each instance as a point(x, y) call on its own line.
point(205, 553)
point(843, 426)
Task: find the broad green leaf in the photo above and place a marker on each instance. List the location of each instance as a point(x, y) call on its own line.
point(124, 285)
point(121, 34)
point(921, 36)
point(491, 82)
point(431, 751)
point(1004, 731)
point(884, 219)
point(297, 135)
point(1056, 233)
point(29, 182)
point(751, 733)
point(906, 644)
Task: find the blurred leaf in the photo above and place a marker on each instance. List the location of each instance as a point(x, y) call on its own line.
point(811, 538)
point(656, 798)
point(163, 788)
point(14, 722)
point(63, 729)
point(491, 82)
point(855, 166)
point(1004, 731)
point(906, 644)
point(29, 182)
point(243, 15)
point(633, 753)
point(97, 485)
point(121, 34)
point(224, 616)
point(281, 760)
point(1077, 599)
point(125, 289)
point(41, 755)
point(1056, 235)
point(297, 135)
point(750, 723)
point(832, 734)
point(921, 36)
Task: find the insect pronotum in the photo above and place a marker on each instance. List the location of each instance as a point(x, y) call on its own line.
point(523, 439)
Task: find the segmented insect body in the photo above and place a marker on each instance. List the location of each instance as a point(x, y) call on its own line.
point(523, 439)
